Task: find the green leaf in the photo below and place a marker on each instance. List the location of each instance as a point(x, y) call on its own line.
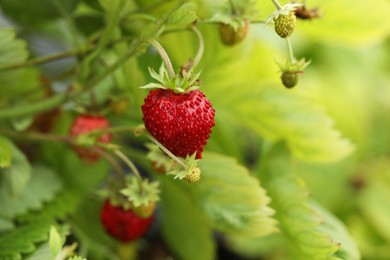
point(276, 115)
point(22, 240)
point(373, 203)
point(15, 178)
point(41, 188)
point(6, 224)
point(299, 223)
point(184, 16)
point(182, 225)
point(88, 228)
point(36, 12)
point(65, 203)
point(55, 242)
point(5, 153)
point(337, 230)
point(231, 199)
point(12, 51)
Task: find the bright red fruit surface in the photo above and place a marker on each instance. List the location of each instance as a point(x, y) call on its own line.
point(181, 122)
point(124, 225)
point(84, 124)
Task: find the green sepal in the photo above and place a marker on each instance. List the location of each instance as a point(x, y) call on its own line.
point(177, 83)
point(140, 193)
point(296, 66)
point(190, 165)
point(285, 10)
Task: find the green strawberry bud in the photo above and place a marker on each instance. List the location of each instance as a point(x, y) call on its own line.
point(194, 175)
point(285, 24)
point(289, 78)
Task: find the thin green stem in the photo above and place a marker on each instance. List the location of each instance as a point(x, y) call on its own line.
point(41, 60)
point(290, 51)
point(37, 136)
point(163, 55)
point(233, 7)
point(131, 165)
point(200, 52)
point(165, 150)
point(277, 4)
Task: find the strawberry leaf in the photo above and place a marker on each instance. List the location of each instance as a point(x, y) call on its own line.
point(13, 50)
point(55, 242)
point(182, 225)
point(334, 227)
point(182, 17)
point(22, 240)
point(5, 153)
point(231, 199)
point(300, 225)
point(41, 188)
point(15, 178)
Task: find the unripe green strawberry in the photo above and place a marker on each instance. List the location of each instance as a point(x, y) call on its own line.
point(285, 24)
point(194, 176)
point(230, 36)
point(145, 211)
point(289, 78)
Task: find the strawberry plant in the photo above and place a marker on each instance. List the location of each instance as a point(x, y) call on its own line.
point(229, 129)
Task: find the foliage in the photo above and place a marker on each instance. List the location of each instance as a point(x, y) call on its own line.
point(299, 173)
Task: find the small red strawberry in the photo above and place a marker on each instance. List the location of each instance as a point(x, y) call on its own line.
point(124, 225)
point(182, 122)
point(84, 124)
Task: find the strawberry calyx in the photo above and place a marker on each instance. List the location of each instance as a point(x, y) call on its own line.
point(290, 71)
point(183, 83)
point(141, 197)
point(284, 10)
point(190, 173)
point(183, 169)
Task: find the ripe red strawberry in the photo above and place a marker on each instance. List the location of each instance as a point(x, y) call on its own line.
point(84, 124)
point(124, 225)
point(182, 122)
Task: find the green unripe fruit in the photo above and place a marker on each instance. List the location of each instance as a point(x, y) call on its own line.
point(289, 79)
point(231, 37)
point(285, 24)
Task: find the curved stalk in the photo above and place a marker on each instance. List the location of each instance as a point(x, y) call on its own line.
point(200, 52)
point(163, 55)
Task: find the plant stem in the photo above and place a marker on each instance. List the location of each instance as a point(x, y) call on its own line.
point(37, 136)
point(163, 55)
point(165, 150)
point(131, 165)
point(40, 60)
point(277, 4)
point(233, 7)
point(290, 51)
point(200, 52)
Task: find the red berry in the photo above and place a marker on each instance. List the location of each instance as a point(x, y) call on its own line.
point(124, 225)
point(84, 124)
point(182, 122)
